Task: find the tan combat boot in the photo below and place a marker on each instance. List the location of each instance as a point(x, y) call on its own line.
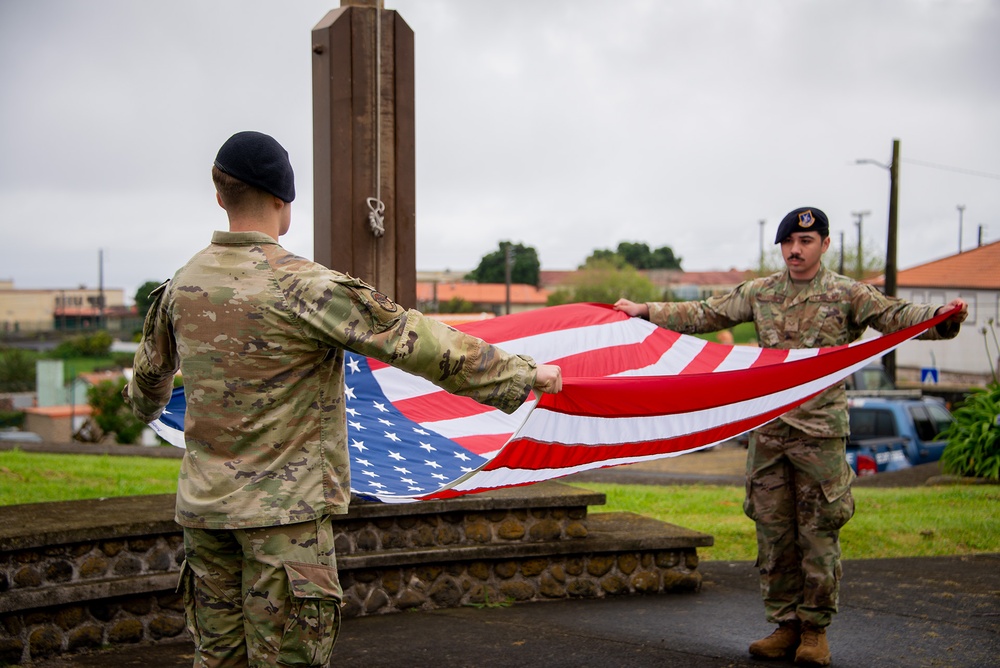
point(779, 644)
point(813, 648)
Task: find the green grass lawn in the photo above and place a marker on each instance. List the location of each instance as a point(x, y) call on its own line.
point(33, 477)
point(895, 522)
point(888, 522)
point(745, 332)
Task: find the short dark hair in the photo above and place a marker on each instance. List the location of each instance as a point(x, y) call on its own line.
point(237, 195)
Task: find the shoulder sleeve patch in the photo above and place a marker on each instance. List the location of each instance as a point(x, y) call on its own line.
point(383, 301)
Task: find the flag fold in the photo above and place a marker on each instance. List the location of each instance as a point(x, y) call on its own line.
point(632, 392)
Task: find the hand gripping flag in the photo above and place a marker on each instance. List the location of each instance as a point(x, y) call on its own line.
point(632, 392)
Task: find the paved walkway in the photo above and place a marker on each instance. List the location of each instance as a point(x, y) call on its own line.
point(935, 612)
point(940, 612)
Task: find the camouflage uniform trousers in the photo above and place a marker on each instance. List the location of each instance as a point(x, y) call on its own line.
point(267, 596)
point(799, 496)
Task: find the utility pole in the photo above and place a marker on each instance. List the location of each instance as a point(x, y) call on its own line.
point(890, 244)
point(100, 289)
point(979, 239)
point(841, 269)
point(860, 215)
point(760, 268)
point(889, 361)
point(507, 263)
point(961, 210)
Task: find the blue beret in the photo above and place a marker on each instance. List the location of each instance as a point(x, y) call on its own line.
point(803, 219)
point(260, 161)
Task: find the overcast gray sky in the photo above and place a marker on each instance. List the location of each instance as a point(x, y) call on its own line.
point(563, 125)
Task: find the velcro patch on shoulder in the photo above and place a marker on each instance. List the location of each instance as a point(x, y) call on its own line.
point(384, 302)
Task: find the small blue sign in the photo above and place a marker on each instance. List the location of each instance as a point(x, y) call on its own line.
point(929, 375)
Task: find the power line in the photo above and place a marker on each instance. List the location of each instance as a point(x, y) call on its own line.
point(960, 170)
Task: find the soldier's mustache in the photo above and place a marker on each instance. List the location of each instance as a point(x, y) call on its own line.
point(794, 256)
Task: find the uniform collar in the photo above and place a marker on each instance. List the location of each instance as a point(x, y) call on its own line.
point(241, 238)
point(815, 286)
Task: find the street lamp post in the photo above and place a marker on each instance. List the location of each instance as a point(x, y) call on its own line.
point(889, 361)
point(860, 215)
point(961, 210)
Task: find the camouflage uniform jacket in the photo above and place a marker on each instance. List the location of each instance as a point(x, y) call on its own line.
point(259, 335)
point(830, 310)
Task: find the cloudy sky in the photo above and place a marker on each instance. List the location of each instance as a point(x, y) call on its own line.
point(563, 125)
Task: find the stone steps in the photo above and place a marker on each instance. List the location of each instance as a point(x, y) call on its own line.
point(78, 575)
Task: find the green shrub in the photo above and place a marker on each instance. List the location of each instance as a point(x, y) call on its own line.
point(17, 370)
point(122, 360)
point(10, 419)
point(974, 437)
point(96, 344)
point(111, 414)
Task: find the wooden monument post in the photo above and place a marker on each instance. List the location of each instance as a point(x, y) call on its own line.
point(364, 160)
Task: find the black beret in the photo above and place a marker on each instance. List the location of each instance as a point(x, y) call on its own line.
point(803, 219)
point(259, 160)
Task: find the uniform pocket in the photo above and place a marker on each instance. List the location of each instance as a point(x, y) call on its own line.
point(839, 507)
point(185, 585)
point(314, 622)
point(749, 504)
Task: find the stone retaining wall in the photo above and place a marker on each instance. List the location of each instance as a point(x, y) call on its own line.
point(82, 575)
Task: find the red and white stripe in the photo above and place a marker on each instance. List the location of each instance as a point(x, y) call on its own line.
point(631, 392)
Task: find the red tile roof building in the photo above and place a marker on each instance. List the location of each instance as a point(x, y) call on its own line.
point(487, 297)
point(972, 275)
point(976, 269)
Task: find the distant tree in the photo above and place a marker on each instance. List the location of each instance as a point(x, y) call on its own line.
point(111, 414)
point(559, 297)
point(664, 258)
point(873, 263)
point(525, 267)
point(457, 305)
point(95, 344)
point(637, 255)
point(142, 300)
point(771, 262)
point(17, 370)
point(603, 257)
point(603, 282)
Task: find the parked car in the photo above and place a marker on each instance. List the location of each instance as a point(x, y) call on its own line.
point(891, 429)
point(915, 422)
point(871, 379)
point(877, 455)
point(14, 436)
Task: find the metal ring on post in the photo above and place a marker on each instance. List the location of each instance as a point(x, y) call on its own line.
point(376, 218)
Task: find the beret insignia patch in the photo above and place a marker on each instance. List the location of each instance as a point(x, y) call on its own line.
point(806, 219)
point(384, 301)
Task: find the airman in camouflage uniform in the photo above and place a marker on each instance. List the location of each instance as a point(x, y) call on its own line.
point(259, 336)
point(798, 479)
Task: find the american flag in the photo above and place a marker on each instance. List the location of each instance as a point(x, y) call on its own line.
point(632, 392)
